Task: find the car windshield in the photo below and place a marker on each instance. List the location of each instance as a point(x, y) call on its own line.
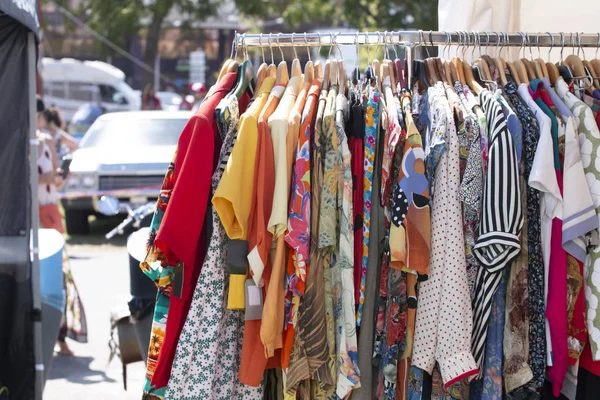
point(134, 132)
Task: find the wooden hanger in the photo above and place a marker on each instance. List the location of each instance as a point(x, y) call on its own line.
point(530, 70)
point(282, 75)
point(459, 69)
point(327, 75)
point(470, 79)
point(224, 68)
point(576, 66)
point(514, 72)
point(553, 72)
point(296, 67)
point(309, 67)
point(596, 65)
point(393, 78)
point(342, 77)
point(591, 71)
point(334, 73)
point(261, 73)
point(377, 73)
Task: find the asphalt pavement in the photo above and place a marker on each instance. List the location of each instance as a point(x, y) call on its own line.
point(100, 270)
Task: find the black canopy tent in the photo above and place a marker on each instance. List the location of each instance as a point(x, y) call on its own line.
point(21, 368)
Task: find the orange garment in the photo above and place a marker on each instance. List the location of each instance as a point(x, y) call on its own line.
point(271, 331)
point(50, 218)
point(309, 111)
point(254, 362)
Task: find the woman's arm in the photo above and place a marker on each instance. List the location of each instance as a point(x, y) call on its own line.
point(68, 140)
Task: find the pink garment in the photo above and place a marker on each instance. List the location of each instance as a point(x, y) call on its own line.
point(556, 309)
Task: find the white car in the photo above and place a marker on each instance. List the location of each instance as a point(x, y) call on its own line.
point(69, 84)
point(124, 154)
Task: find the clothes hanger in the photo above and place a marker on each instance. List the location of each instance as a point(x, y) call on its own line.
point(553, 73)
point(356, 71)
point(272, 68)
point(456, 62)
point(498, 61)
point(398, 65)
point(540, 65)
point(436, 64)
point(563, 69)
point(309, 69)
point(369, 77)
point(376, 67)
point(484, 60)
point(390, 64)
point(445, 64)
point(514, 73)
point(333, 63)
point(318, 64)
point(342, 77)
point(261, 73)
point(577, 68)
point(519, 65)
point(420, 72)
point(596, 63)
point(245, 75)
point(589, 68)
point(529, 63)
point(469, 77)
point(327, 72)
point(296, 67)
point(282, 76)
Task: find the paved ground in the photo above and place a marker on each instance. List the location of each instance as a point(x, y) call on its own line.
point(101, 273)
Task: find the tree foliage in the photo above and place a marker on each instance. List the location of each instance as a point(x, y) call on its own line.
point(121, 20)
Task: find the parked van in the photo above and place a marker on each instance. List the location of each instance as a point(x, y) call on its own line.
point(70, 83)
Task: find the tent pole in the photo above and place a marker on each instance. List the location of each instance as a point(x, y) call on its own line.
point(35, 218)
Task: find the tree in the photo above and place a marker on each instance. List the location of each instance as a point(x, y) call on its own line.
point(122, 20)
point(360, 14)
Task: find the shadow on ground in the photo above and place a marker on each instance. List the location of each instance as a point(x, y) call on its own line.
point(76, 370)
point(98, 228)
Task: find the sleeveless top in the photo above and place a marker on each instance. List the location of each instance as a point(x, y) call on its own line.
point(46, 192)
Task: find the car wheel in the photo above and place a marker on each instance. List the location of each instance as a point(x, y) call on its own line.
point(77, 222)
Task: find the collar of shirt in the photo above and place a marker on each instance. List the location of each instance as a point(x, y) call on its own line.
point(560, 105)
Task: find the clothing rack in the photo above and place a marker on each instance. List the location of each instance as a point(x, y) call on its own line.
point(421, 38)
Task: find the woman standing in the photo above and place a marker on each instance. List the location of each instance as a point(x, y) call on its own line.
point(149, 99)
point(63, 142)
point(50, 181)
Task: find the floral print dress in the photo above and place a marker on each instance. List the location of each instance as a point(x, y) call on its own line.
point(209, 350)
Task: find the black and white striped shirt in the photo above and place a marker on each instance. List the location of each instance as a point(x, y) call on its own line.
point(501, 221)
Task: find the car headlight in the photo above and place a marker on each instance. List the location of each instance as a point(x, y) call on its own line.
point(81, 182)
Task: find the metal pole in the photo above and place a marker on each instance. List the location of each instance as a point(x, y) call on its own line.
point(35, 221)
point(435, 38)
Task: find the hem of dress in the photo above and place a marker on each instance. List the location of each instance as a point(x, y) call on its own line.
point(461, 377)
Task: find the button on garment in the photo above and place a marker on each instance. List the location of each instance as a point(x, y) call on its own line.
point(444, 317)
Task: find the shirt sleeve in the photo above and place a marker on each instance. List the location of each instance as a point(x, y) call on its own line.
point(182, 224)
point(278, 219)
point(579, 214)
point(542, 176)
point(233, 197)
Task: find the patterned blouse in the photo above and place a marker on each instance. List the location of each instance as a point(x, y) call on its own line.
point(372, 126)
